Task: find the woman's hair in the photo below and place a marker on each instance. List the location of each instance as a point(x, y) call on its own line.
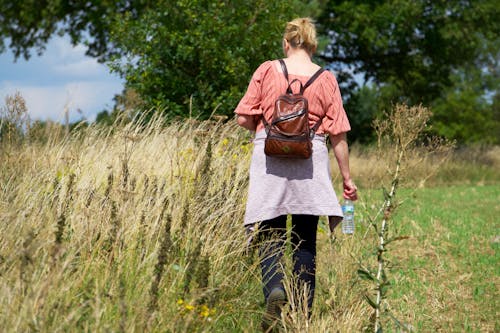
point(301, 33)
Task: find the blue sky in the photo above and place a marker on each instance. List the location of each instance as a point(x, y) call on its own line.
point(61, 76)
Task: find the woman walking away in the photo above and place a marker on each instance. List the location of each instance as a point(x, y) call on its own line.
point(301, 188)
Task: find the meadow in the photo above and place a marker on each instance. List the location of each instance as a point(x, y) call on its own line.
point(138, 228)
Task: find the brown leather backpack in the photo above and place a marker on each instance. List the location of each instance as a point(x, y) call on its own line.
point(289, 134)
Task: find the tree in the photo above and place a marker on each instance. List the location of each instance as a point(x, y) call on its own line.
point(465, 112)
point(412, 45)
point(173, 53)
point(14, 119)
point(197, 56)
point(29, 24)
point(411, 51)
point(362, 108)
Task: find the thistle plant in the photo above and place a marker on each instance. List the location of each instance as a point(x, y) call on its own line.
point(401, 139)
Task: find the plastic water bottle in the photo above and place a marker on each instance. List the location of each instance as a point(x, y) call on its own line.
point(348, 221)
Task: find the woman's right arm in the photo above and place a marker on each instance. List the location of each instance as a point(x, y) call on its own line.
point(247, 121)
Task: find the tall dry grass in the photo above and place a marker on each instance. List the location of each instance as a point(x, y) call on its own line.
point(104, 230)
point(474, 165)
point(139, 228)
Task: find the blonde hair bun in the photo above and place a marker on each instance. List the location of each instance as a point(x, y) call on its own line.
point(301, 33)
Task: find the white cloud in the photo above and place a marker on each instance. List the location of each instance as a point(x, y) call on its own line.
point(91, 96)
point(81, 68)
point(63, 75)
point(61, 48)
point(68, 60)
point(48, 102)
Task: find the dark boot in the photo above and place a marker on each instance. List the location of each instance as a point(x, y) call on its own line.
point(274, 304)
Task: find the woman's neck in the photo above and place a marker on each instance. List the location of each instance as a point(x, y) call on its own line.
point(298, 55)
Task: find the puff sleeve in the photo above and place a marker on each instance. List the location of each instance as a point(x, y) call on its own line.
point(335, 120)
point(251, 102)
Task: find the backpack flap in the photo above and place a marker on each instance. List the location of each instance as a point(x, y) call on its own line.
point(290, 116)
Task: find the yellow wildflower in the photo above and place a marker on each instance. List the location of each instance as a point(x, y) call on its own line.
point(204, 311)
point(245, 147)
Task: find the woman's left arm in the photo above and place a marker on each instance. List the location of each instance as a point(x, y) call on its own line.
point(341, 151)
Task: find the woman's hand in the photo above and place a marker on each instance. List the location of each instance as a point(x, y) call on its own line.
point(350, 190)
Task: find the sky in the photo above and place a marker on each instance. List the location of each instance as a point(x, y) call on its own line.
point(62, 76)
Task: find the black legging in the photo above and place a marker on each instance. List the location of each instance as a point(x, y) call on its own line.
point(303, 237)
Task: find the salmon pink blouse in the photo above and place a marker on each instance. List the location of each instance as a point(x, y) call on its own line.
point(323, 95)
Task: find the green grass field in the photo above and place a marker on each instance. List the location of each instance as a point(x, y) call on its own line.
point(447, 274)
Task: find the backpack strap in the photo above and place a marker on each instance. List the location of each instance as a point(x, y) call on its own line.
point(302, 88)
point(266, 124)
point(313, 129)
point(314, 77)
point(308, 83)
point(289, 90)
point(284, 69)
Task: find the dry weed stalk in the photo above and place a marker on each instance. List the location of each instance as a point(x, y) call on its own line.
point(163, 258)
point(26, 262)
point(62, 216)
point(295, 317)
point(399, 133)
point(86, 292)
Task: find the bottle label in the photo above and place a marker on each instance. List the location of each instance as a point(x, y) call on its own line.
point(348, 209)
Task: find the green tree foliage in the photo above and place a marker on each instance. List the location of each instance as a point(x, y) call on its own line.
point(362, 108)
point(465, 112)
point(29, 24)
point(173, 53)
point(411, 51)
point(413, 45)
point(104, 118)
point(197, 55)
